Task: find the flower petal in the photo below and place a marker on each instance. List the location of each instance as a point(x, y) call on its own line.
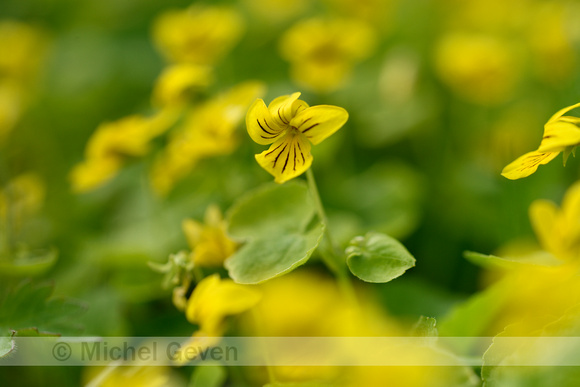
point(560, 113)
point(284, 108)
point(559, 135)
point(319, 122)
point(286, 158)
point(262, 128)
point(527, 164)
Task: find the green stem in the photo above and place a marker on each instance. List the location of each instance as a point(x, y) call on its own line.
point(331, 256)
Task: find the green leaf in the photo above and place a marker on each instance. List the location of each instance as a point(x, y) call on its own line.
point(28, 263)
point(277, 224)
point(208, 376)
point(31, 307)
point(271, 210)
point(493, 262)
point(378, 258)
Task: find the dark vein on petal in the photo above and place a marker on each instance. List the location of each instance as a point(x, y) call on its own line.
point(301, 153)
point(306, 130)
point(282, 151)
point(294, 148)
point(261, 127)
point(286, 162)
point(272, 151)
point(282, 119)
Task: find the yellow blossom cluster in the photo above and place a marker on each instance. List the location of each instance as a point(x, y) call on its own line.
point(192, 40)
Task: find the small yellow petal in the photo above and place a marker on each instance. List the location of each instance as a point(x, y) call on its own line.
point(284, 108)
point(560, 113)
point(319, 122)
point(287, 158)
point(559, 135)
point(527, 164)
point(262, 128)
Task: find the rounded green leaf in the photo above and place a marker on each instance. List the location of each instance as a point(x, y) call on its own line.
point(378, 258)
point(280, 231)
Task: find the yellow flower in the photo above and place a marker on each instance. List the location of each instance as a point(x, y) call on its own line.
point(177, 82)
point(209, 243)
point(290, 125)
point(559, 229)
point(208, 130)
point(197, 35)
point(561, 134)
point(112, 143)
point(322, 52)
point(26, 46)
point(11, 106)
point(213, 299)
point(482, 69)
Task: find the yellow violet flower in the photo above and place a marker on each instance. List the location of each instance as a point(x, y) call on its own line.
point(322, 52)
point(207, 130)
point(561, 134)
point(482, 69)
point(197, 35)
point(290, 125)
point(177, 82)
point(112, 143)
point(558, 229)
point(213, 299)
point(209, 243)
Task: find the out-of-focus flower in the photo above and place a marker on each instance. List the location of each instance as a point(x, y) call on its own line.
point(322, 52)
point(138, 376)
point(551, 45)
point(290, 125)
point(284, 312)
point(480, 68)
point(197, 35)
point(559, 229)
point(208, 242)
point(23, 47)
point(23, 51)
point(561, 134)
point(20, 199)
point(11, 106)
point(213, 299)
point(112, 143)
point(177, 83)
point(208, 130)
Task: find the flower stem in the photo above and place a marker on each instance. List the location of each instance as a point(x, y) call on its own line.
point(331, 256)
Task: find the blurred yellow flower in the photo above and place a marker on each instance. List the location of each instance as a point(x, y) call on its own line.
point(208, 242)
point(213, 299)
point(197, 35)
point(561, 134)
point(112, 143)
point(290, 125)
point(322, 52)
point(11, 106)
point(23, 46)
point(480, 68)
point(20, 199)
point(208, 130)
point(177, 83)
point(558, 230)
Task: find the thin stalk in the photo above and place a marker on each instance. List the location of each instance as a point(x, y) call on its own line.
point(331, 256)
